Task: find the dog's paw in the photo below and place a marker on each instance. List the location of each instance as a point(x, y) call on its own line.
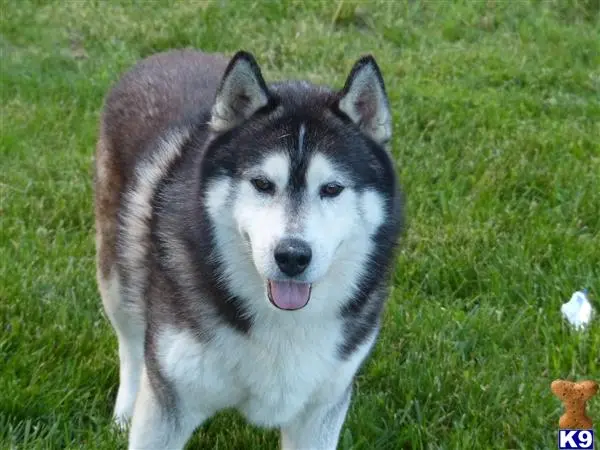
point(121, 421)
point(124, 406)
point(122, 413)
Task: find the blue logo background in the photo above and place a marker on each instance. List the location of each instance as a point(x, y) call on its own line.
point(575, 439)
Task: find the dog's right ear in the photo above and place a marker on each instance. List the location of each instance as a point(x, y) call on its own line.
point(242, 92)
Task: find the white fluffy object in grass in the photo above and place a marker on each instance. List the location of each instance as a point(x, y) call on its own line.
point(578, 310)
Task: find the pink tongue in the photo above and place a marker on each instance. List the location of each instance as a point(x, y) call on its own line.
point(289, 295)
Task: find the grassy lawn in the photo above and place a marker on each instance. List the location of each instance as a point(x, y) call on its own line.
point(497, 139)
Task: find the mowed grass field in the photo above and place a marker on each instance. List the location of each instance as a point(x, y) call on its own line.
point(497, 139)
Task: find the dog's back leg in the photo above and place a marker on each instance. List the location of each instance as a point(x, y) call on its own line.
point(126, 318)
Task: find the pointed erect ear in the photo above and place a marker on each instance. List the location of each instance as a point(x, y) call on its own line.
point(365, 101)
point(241, 93)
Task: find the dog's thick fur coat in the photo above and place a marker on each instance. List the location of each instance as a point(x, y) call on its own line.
point(245, 237)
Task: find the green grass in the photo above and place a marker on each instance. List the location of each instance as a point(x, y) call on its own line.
point(497, 139)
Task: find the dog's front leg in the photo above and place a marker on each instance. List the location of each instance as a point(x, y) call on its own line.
point(318, 427)
point(157, 426)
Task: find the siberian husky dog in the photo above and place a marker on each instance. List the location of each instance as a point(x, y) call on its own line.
point(245, 242)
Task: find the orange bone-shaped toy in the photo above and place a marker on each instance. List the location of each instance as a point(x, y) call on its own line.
point(574, 396)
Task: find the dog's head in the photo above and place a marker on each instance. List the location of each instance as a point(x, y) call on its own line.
point(299, 185)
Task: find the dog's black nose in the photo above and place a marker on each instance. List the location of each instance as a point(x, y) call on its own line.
point(292, 256)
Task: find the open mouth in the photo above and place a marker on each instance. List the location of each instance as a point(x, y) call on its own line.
point(288, 295)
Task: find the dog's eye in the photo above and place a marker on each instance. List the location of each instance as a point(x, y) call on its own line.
point(261, 184)
point(331, 190)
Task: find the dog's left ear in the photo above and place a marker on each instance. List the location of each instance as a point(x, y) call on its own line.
point(365, 101)
point(242, 93)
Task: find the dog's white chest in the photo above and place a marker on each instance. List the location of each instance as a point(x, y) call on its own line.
point(284, 369)
point(268, 376)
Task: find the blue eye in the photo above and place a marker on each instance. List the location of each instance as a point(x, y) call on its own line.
point(331, 190)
